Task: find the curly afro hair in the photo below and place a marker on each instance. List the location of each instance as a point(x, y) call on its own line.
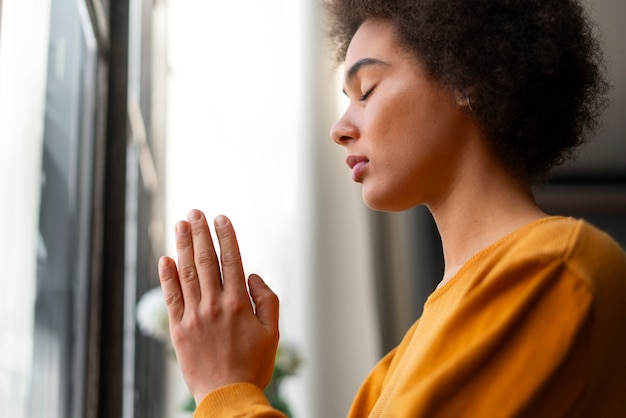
point(534, 67)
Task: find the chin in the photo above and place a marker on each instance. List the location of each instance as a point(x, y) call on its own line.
point(385, 203)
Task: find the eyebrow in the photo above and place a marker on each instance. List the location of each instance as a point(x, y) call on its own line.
point(357, 66)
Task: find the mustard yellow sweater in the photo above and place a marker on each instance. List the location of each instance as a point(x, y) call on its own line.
point(532, 326)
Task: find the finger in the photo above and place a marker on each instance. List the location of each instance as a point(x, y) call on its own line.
point(266, 301)
point(171, 289)
point(207, 264)
point(187, 274)
point(232, 270)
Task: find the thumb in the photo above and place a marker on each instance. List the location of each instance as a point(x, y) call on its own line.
point(266, 302)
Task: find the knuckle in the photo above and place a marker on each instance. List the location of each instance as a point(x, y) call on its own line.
point(172, 299)
point(166, 275)
point(183, 242)
point(188, 274)
point(178, 334)
point(212, 310)
point(272, 297)
point(230, 258)
point(205, 258)
point(198, 229)
point(189, 326)
point(237, 306)
point(269, 298)
point(224, 232)
point(192, 322)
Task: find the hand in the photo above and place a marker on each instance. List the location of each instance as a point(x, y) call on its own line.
point(219, 335)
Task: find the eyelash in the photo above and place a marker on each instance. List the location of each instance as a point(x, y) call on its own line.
point(367, 94)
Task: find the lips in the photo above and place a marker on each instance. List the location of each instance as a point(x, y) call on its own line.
point(358, 165)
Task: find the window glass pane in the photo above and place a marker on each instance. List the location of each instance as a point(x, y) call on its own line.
point(47, 76)
point(60, 333)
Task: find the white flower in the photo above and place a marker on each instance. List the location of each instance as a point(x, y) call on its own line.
point(152, 315)
point(287, 359)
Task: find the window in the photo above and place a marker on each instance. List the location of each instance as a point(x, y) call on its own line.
point(75, 230)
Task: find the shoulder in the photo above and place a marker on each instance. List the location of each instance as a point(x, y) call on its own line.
point(593, 253)
point(571, 241)
point(563, 245)
point(546, 248)
point(549, 252)
point(584, 249)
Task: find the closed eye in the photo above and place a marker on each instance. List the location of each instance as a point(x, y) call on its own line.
point(366, 94)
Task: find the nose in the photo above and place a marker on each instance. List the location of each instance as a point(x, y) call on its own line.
point(344, 130)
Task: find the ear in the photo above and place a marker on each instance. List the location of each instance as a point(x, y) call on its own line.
point(465, 98)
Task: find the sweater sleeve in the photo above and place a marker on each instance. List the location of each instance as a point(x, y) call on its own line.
point(236, 400)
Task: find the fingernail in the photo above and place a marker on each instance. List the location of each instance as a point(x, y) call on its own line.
point(194, 215)
point(221, 220)
point(182, 227)
point(162, 262)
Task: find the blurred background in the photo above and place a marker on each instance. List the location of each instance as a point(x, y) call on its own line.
point(118, 117)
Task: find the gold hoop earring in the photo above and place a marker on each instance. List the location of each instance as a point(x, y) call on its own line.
point(469, 102)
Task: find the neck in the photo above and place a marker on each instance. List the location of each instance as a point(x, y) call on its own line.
point(480, 210)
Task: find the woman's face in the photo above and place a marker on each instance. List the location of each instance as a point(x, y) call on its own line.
point(403, 131)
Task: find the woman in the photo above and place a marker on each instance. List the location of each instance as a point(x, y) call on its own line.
point(459, 105)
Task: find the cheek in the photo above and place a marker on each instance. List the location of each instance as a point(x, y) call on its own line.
point(396, 142)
